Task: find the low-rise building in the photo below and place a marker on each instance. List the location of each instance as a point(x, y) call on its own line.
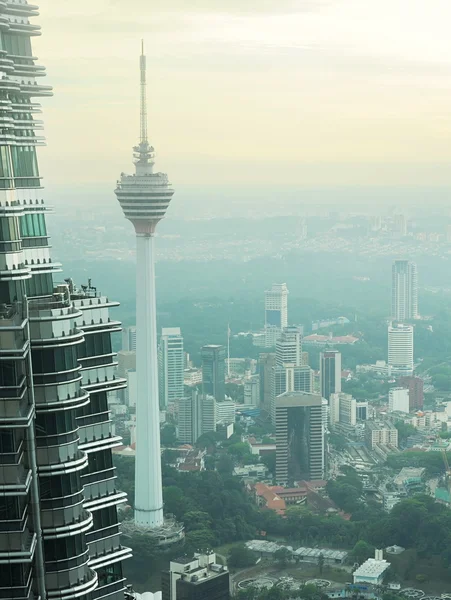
point(372, 570)
point(380, 433)
point(260, 448)
point(192, 377)
point(194, 578)
point(409, 477)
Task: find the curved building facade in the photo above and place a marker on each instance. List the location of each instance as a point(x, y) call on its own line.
point(59, 530)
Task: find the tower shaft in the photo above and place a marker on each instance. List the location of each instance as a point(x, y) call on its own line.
point(148, 484)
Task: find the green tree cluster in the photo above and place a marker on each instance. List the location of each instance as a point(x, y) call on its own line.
point(346, 490)
point(240, 557)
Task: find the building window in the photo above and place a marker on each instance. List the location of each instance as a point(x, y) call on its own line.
point(64, 548)
point(19, 45)
point(105, 517)
point(25, 163)
point(9, 231)
point(99, 461)
point(55, 360)
point(5, 162)
point(57, 487)
point(40, 285)
point(96, 344)
point(55, 423)
point(33, 225)
point(98, 404)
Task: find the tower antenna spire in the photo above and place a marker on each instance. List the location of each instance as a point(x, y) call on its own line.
point(143, 128)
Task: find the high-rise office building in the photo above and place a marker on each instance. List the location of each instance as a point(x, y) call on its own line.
point(362, 410)
point(398, 399)
point(415, 386)
point(266, 363)
point(58, 498)
point(129, 338)
point(144, 198)
point(225, 411)
point(289, 346)
point(276, 312)
point(400, 349)
point(330, 373)
point(196, 578)
point(289, 374)
point(189, 427)
point(299, 437)
point(213, 371)
point(198, 414)
point(171, 366)
point(404, 300)
point(252, 390)
point(342, 409)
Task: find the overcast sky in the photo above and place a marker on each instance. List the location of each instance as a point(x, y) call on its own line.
point(314, 92)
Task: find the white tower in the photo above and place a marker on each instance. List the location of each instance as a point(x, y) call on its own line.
point(171, 364)
point(144, 198)
point(404, 291)
point(400, 349)
point(276, 312)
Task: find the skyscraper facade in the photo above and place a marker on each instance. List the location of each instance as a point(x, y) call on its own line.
point(276, 312)
point(330, 373)
point(58, 497)
point(129, 338)
point(171, 365)
point(415, 386)
point(144, 198)
point(299, 437)
point(289, 374)
point(342, 409)
point(400, 349)
point(404, 291)
point(266, 363)
point(189, 426)
point(213, 371)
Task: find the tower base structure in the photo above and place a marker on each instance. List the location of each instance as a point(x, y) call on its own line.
point(171, 532)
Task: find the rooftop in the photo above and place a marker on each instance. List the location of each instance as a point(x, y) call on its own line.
point(372, 568)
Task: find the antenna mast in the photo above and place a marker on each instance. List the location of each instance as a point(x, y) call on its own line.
point(143, 130)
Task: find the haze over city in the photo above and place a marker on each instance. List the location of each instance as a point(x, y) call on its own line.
point(313, 93)
point(225, 300)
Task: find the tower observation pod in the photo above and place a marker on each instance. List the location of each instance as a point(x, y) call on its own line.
point(144, 198)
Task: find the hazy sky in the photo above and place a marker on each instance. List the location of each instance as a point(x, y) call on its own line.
point(314, 92)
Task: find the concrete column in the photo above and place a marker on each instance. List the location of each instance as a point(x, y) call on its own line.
point(148, 483)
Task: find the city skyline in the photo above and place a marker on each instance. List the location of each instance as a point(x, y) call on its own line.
point(388, 76)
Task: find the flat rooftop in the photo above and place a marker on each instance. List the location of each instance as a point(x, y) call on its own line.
point(372, 568)
point(294, 399)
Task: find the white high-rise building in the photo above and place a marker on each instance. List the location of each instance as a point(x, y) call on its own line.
point(225, 411)
point(276, 312)
point(289, 374)
point(342, 409)
point(171, 363)
point(289, 347)
point(208, 414)
point(189, 427)
point(404, 291)
point(398, 400)
point(129, 338)
point(400, 349)
point(144, 198)
point(252, 390)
